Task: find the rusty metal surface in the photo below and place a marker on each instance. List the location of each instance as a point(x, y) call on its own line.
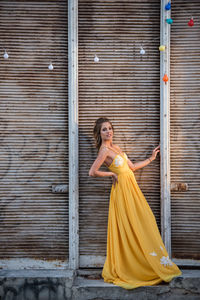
point(123, 86)
point(34, 141)
point(185, 128)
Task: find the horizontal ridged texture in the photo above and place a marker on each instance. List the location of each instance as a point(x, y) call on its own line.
point(185, 128)
point(124, 86)
point(34, 134)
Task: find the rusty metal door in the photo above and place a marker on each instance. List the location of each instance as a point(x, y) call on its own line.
point(185, 130)
point(34, 139)
point(124, 86)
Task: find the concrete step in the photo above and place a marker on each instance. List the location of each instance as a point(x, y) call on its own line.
point(87, 284)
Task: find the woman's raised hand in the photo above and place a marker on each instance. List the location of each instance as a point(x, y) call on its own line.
point(155, 152)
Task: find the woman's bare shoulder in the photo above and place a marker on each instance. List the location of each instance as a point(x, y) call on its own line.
point(103, 150)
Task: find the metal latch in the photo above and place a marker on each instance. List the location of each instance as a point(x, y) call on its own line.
point(59, 188)
point(179, 187)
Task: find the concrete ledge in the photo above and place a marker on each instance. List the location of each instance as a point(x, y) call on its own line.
point(37, 273)
point(36, 284)
point(184, 287)
point(88, 284)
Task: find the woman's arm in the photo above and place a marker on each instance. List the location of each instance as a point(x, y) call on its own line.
point(141, 164)
point(94, 170)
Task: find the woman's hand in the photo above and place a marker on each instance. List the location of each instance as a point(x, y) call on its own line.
point(114, 178)
point(155, 152)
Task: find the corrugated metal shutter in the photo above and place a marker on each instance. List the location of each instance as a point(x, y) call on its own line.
point(123, 86)
point(185, 128)
point(33, 110)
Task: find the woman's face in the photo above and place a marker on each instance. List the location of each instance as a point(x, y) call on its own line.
point(106, 131)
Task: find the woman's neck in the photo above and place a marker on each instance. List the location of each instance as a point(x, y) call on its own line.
point(107, 144)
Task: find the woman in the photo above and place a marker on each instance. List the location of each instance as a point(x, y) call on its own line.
point(136, 254)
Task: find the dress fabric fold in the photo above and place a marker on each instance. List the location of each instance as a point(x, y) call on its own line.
point(136, 255)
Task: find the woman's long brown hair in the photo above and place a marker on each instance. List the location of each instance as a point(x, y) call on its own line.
point(97, 131)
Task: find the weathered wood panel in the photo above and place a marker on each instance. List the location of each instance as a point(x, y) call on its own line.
point(124, 86)
point(34, 139)
point(185, 129)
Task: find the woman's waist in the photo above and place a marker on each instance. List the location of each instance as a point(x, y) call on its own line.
point(122, 171)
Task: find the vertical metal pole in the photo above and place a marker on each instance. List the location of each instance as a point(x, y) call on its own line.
point(73, 133)
point(165, 127)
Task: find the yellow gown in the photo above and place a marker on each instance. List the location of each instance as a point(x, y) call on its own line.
point(136, 255)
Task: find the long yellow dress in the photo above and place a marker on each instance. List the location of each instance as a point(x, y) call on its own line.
point(136, 255)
